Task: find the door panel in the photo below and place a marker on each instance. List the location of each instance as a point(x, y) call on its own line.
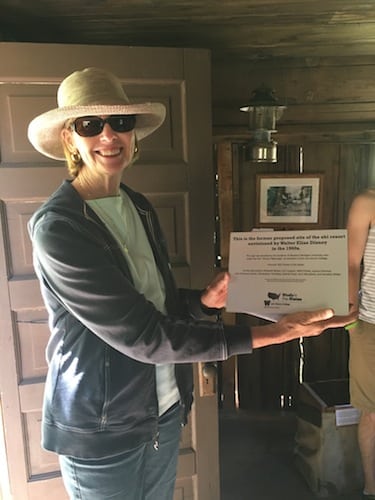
point(174, 172)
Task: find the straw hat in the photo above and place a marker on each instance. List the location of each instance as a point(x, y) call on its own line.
point(89, 92)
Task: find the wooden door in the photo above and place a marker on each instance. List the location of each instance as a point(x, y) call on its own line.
point(175, 172)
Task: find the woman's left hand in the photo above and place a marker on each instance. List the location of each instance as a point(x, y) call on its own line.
point(215, 294)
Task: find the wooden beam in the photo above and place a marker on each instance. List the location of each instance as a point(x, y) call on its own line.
point(229, 382)
point(360, 133)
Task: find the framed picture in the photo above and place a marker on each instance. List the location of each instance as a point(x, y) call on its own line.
point(289, 201)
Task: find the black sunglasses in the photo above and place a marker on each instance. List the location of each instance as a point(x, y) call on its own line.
point(89, 126)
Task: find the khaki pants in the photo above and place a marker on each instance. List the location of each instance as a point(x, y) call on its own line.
point(362, 366)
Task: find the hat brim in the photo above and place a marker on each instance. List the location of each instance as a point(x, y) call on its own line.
point(44, 131)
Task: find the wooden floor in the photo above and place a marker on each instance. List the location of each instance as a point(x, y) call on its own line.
point(256, 458)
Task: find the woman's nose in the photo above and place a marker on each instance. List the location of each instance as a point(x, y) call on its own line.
point(108, 133)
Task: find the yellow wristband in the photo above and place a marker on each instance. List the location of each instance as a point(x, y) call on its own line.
point(351, 325)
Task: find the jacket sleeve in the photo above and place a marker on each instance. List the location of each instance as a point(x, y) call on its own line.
point(78, 272)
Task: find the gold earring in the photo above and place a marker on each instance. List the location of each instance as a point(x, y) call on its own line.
point(135, 149)
point(75, 157)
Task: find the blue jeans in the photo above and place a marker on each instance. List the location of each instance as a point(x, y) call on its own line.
point(140, 474)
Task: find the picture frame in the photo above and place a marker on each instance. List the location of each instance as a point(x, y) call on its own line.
point(289, 201)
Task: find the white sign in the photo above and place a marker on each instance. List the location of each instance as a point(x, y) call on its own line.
point(280, 272)
point(346, 415)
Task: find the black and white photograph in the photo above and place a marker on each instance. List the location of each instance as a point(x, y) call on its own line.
point(289, 199)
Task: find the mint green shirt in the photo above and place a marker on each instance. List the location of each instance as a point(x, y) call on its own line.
point(122, 220)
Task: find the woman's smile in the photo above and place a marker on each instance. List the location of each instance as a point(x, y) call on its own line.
point(109, 152)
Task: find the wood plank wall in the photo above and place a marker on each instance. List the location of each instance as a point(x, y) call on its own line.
point(327, 99)
point(330, 115)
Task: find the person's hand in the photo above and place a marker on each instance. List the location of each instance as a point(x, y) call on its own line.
point(215, 294)
point(296, 325)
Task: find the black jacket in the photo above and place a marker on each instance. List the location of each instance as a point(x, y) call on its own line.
point(106, 338)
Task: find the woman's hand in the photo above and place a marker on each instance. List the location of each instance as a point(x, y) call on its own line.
point(296, 325)
point(215, 294)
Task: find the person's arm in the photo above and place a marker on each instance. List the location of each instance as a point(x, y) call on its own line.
point(359, 221)
point(289, 327)
point(80, 276)
point(296, 325)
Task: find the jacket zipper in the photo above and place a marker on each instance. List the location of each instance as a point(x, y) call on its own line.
point(156, 441)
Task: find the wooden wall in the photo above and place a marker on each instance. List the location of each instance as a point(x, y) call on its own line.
point(328, 99)
point(330, 115)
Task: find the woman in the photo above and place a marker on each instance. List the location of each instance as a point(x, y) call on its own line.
point(119, 383)
point(361, 247)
